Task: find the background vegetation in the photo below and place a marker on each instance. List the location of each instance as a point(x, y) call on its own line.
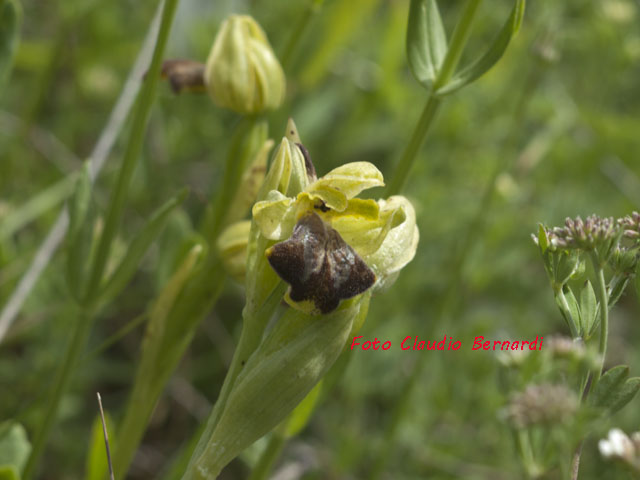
point(557, 122)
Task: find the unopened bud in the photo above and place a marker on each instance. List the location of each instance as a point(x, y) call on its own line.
point(242, 72)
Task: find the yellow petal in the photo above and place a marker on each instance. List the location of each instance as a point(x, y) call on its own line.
point(275, 216)
point(325, 196)
point(366, 227)
point(400, 244)
point(349, 179)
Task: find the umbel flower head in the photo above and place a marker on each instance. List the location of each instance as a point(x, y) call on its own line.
point(582, 235)
point(242, 72)
point(334, 246)
point(541, 404)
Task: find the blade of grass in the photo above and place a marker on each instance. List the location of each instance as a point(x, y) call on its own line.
point(97, 160)
point(87, 313)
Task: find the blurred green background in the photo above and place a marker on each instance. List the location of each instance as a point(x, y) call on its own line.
point(557, 118)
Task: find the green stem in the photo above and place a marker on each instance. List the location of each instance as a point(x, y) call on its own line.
point(603, 299)
point(401, 172)
point(449, 301)
point(132, 152)
point(525, 451)
point(160, 357)
point(268, 457)
point(400, 410)
point(459, 40)
point(61, 384)
point(252, 329)
point(85, 319)
point(294, 40)
point(216, 214)
point(454, 52)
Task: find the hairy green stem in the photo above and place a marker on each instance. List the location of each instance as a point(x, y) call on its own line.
point(83, 324)
point(268, 457)
point(454, 52)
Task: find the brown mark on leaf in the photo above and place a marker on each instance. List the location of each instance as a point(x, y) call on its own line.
point(311, 170)
point(319, 265)
point(185, 75)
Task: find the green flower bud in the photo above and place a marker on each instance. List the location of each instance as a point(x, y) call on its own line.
point(232, 245)
point(242, 72)
point(250, 184)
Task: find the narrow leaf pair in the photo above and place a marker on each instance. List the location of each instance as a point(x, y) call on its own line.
point(427, 47)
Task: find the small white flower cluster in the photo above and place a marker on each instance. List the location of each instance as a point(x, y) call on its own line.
point(618, 446)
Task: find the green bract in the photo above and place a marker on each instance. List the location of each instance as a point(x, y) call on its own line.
point(242, 72)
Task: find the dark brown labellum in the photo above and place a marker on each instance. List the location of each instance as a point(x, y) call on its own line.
point(319, 265)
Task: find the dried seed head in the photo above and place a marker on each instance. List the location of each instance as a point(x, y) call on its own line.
point(184, 74)
point(541, 404)
point(566, 347)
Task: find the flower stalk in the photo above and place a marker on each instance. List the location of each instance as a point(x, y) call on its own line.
point(459, 40)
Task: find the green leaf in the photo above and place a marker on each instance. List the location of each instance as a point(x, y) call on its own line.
point(10, 17)
point(543, 241)
point(491, 57)
point(14, 449)
point(139, 247)
point(616, 292)
point(97, 466)
point(605, 393)
point(426, 41)
point(80, 236)
point(572, 317)
point(588, 308)
point(624, 394)
point(80, 201)
point(300, 416)
point(565, 266)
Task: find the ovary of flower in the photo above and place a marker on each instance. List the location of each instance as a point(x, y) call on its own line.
point(617, 445)
point(383, 233)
